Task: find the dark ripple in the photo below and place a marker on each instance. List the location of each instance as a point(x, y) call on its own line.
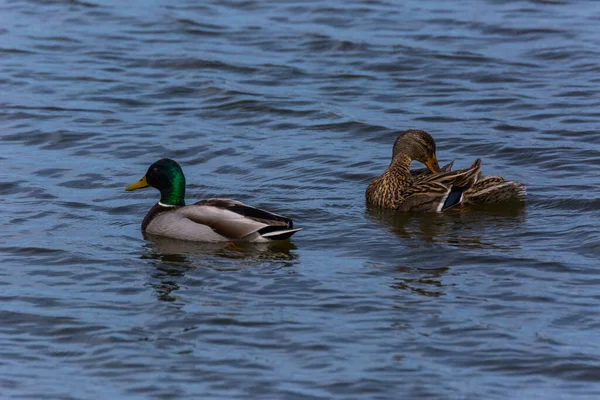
point(191, 63)
point(321, 43)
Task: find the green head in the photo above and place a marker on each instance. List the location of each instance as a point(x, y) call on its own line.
point(166, 176)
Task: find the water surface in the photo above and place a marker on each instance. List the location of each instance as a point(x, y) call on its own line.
point(293, 106)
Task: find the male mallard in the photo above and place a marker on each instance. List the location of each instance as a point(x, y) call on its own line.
point(211, 220)
point(433, 189)
point(400, 189)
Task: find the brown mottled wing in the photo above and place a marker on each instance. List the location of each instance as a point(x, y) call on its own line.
point(424, 196)
point(493, 189)
point(447, 167)
point(486, 182)
point(427, 193)
point(461, 177)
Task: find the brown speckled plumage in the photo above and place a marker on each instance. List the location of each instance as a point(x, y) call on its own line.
point(493, 189)
point(422, 172)
point(420, 190)
point(400, 189)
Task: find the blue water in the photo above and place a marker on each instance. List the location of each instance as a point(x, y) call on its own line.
point(293, 106)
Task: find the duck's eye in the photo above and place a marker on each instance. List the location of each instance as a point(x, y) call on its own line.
point(154, 169)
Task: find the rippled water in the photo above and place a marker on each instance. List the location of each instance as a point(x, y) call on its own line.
point(293, 106)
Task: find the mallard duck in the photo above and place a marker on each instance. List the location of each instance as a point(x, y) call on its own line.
point(400, 189)
point(434, 188)
point(211, 220)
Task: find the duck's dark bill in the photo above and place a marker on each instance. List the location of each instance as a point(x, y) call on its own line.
point(138, 185)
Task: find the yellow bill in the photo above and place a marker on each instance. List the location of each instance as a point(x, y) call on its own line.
point(138, 185)
point(432, 164)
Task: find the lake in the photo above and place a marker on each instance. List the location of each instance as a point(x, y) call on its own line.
point(293, 106)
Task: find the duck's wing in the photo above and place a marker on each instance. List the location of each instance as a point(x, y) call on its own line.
point(428, 196)
point(493, 189)
point(464, 178)
point(236, 220)
point(438, 192)
point(447, 167)
point(420, 172)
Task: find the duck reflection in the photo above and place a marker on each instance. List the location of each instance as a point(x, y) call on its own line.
point(172, 259)
point(169, 268)
point(470, 228)
point(425, 282)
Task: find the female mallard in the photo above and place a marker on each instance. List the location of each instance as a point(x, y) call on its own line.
point(211, 220)
point(434, 189)
point(400, 189)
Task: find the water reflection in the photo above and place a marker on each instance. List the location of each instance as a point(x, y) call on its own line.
point(481, 227)
point(425, 282)
point(278, 250)
point(172, 259)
